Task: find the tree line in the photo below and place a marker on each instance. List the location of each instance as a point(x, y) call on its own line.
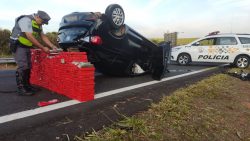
point(5, 34)
point(4, 41)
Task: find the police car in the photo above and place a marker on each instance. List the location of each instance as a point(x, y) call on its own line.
point(216, 48)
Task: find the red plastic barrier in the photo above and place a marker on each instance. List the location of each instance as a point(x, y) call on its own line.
point(66, 73)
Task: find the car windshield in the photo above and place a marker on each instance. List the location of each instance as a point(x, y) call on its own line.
point(205, 42)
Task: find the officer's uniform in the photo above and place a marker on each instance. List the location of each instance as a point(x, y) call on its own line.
point(21, 49)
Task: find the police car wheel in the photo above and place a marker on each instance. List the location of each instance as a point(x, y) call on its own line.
point(115, 15)
point(184, 59)
point(242, 61)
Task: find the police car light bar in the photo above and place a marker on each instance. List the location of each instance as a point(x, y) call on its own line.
point(213, 33)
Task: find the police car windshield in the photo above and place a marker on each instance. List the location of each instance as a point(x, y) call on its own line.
point(205, 42)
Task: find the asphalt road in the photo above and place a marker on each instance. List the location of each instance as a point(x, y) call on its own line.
point(83, 117)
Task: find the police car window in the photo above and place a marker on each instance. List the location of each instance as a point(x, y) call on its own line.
point(226, 41)
point(207, 42)
point(244, 40)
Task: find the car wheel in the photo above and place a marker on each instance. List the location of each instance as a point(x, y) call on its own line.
point(242, 61)
point(115, 15)
point(184, 59)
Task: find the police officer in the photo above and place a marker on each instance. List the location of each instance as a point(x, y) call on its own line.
point(24, 36)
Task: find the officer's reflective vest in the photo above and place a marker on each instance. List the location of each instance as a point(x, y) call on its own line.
point(20, 36)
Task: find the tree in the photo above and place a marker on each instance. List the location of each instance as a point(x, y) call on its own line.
point(4, 41)
point(53, 37)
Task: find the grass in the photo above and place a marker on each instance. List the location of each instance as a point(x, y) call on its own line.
point(6, 56)
point(9, 66)
point(239, 70)
point(216, 108)
point(180, 41)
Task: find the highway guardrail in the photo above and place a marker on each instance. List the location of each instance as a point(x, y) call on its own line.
point(6, 60)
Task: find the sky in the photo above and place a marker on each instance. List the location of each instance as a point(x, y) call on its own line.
point(151, 18)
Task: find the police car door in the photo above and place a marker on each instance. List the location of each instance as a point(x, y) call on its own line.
point(226, 49)
point(203, 48)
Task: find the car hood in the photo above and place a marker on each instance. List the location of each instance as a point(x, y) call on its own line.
point(177, 48)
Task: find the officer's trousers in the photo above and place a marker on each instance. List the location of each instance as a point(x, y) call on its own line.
point(23, 59)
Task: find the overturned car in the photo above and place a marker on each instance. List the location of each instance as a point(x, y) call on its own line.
point(112, 46)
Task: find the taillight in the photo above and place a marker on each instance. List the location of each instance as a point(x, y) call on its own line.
point(96, 40)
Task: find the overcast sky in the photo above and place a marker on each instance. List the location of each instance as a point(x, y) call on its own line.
point(152, 18)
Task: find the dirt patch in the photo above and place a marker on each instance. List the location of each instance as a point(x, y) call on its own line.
point(247, 104)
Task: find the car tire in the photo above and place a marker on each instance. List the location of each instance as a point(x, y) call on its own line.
point(242, 61)
point(184, 59)
point(115, 15)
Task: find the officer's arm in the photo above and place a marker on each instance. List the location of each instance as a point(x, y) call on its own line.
point(47, 41)
point(34, 40)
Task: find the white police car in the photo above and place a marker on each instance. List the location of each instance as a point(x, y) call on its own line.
point(223, 48)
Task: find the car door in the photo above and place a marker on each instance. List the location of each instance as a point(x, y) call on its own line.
point(202, 49)
point(226, 49)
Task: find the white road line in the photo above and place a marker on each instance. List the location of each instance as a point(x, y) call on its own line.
point(36, 111)
point(104, 94)
point(28, 113)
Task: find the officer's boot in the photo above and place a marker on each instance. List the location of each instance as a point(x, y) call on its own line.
point(21, 90)
point(27, 82)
